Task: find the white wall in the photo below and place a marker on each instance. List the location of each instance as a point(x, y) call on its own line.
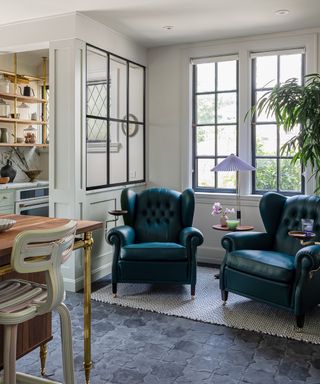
point(169, 98)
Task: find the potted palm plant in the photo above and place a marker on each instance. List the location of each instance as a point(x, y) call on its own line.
point(297, 105)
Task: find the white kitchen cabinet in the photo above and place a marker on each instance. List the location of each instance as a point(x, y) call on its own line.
point(7, 202)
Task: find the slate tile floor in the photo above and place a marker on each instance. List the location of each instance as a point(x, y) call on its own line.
point(133, 347)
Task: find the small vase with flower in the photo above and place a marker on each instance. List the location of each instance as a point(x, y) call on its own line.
point(217, 209)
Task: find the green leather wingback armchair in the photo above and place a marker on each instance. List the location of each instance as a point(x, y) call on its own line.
point(157, 244)
point(273, 267)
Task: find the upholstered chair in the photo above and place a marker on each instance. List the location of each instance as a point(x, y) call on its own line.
point(273, 267)
point(157, 244)
point(20, 300)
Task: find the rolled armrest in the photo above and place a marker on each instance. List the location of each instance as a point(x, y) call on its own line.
point(308, 258)
point(249, 240)
point(123, 234)
point(190, 233)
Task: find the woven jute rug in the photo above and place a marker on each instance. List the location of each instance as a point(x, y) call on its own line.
point(240, 312)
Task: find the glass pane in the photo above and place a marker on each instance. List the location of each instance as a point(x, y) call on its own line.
point(205, 141)
point(285, 137)
point(227, 140)
point(290, 176)
point(118, 88)
point(205, 109)
point(96, 130)
point(227, 75)
point(266, 140)
point(96, 82)
point(263, 116)
point(96, 153)
point(227, 107)
point(136, 151)
point(118, 153)
point(205, 77)
point(226, 179)
point(205, 176)
point(290, 66)
point(266, 71)
point(266, 174)
point(136, 92)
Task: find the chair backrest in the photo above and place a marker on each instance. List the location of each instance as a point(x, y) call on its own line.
point(158, 214)
point(282, 214)
point(44, 251)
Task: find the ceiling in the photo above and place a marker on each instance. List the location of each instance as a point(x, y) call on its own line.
point(193, 20)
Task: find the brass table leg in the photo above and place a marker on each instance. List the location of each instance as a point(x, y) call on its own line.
point(87, 364)
point(43, 358)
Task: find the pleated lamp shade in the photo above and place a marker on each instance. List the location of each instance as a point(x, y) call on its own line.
point(232, 163)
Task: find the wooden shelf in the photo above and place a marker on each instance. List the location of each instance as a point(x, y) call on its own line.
point(21, 77)
point(26, 99)
point(21, 121)
point(23, 145)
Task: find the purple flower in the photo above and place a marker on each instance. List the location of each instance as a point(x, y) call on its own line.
point(217, 209)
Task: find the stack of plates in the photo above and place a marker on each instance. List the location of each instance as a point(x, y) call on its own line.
point(6, 224)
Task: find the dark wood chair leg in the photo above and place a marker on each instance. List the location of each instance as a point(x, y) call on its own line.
point(193, 291)
point(224, 296)
point(300, 320)
point(114, 289)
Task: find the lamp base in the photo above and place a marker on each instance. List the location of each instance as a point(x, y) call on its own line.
point(239, 216)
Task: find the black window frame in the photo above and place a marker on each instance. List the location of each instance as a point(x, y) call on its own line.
point(216, 157)
point(126, 121)
point(277, 157)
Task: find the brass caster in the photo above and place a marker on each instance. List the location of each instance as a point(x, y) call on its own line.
point(193, 297)
point(114, 295)
point(224, 303)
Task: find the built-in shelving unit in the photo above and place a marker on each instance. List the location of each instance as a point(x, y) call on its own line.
point(22, 79)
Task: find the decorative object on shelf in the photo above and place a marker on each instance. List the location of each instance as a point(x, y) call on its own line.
point(27, 91)
point(15, 115)
point(34, 116)
point(133, 128)
point(6, 224)
point(217, 209)
point(4, 135)
point(30, 135)
point(4, 84)
point(296, 105)
point(232, 224)
point(33, 174)
point(234, 164)
point(8, 171)
point(4, 109)
point(20, 140)
point(24, 111)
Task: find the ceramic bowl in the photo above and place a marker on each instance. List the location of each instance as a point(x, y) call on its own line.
point(20, 139)
point(6, 224)
point(232, 224)
point(4, 180)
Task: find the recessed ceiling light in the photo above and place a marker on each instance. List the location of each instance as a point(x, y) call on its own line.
point(282, 12)
point(168, 27)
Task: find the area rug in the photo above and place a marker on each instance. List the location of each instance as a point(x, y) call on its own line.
point(240, 312)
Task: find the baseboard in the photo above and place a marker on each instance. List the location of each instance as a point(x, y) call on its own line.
point(210, 255)
point(75, 285)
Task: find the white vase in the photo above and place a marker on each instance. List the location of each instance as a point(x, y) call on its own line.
point(223, 220)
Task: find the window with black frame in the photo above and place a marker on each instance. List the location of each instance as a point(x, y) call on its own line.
point(214, 121)
point(274, 169)
point(115, 120)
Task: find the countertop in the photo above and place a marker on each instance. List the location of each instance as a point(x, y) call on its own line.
point(38, 183)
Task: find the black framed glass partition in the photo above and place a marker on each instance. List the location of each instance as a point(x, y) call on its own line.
point(115, 120)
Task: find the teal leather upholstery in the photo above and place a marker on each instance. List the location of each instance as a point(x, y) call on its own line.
point(273, 267)
point(157, 244)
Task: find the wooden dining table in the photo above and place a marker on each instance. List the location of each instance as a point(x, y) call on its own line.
point(84, 240)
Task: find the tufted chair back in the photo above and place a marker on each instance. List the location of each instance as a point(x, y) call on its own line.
point(282, 214)
point(158, 214)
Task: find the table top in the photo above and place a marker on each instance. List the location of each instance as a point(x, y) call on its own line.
point(240, 228)
point(24, 222)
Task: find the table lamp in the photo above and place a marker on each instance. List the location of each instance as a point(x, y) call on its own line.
point(234, 164)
